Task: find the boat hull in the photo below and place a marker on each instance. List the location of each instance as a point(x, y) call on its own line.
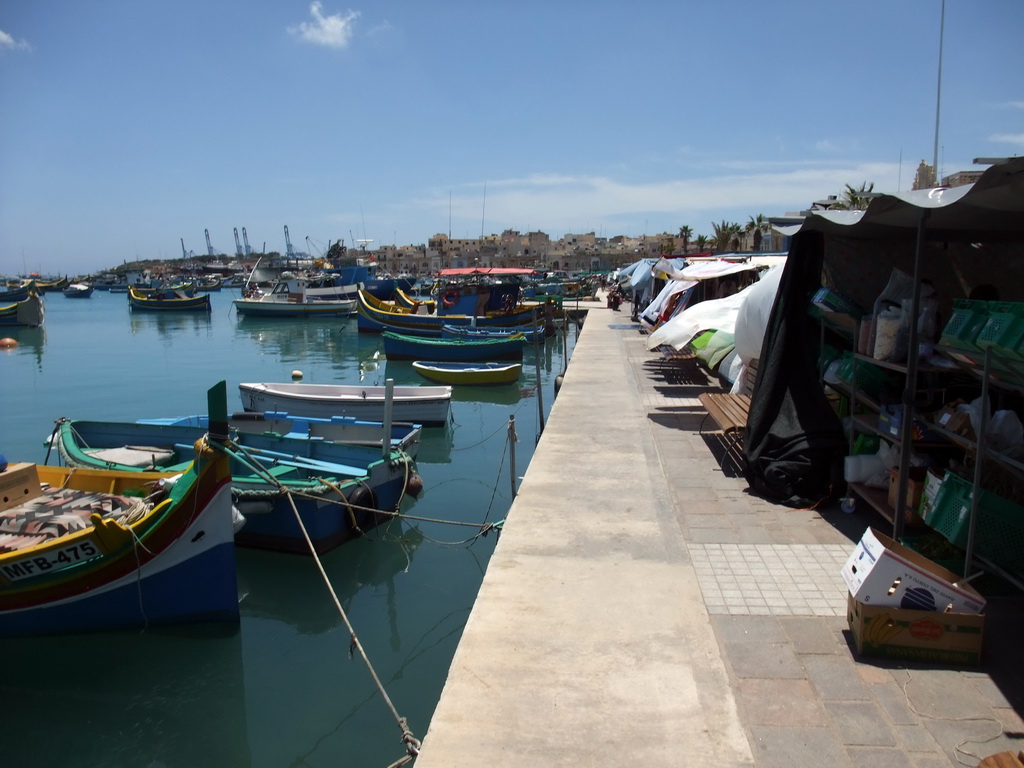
point(65, 568)
point(375, 316)
point(162, 303)
point(28, 312)
point(473, 374)
point(428, 406)
point(178, 587)
point(291, 309)
point(402, 347)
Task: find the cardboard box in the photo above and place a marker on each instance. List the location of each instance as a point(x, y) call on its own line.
point(883, 572)
point(922, 636)
point(950, 419)
point(915, 487)
point(890, 422)
point(18, 483)
point(932, 483)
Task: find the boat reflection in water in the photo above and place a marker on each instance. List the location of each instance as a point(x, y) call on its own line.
point(301, 668)
point(269, 582)
point(169, 324)
point(30, 342)
point(153, 689)
point(295, 339)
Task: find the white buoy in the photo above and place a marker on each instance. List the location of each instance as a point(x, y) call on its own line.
point(296, 374)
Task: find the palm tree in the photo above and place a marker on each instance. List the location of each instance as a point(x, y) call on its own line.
point(727, 235)
point(701, 242)
point(686, 232)
point(722, 231)
point(857, 199)
point(735, 233)
point(757, 227)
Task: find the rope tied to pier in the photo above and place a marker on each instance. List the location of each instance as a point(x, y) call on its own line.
point(412, 744)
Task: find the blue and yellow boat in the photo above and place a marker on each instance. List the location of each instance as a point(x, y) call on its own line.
point(91, 550)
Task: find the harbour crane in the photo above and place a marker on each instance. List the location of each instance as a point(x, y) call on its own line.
point(238, 245)
point(209, 247)
point(245, 239)
point(289, 251)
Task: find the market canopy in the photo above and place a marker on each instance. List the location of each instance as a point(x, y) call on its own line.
point(462, 272)
point(991, 208)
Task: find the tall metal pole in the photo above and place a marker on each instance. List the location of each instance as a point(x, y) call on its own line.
point(389, 401)
point(536, 362)
point(512, 452)
point(938, 95)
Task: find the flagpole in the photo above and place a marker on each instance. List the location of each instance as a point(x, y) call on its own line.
point(938, 95)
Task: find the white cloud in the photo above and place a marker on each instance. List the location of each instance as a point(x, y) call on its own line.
point(552, 201)
point(1007, 138)
point(8, 43)
point(334, 31)
point(1013, 104)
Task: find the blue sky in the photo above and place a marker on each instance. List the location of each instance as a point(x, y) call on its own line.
point(127, 125)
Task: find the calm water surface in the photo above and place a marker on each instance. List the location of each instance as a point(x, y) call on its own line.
point(282, 689)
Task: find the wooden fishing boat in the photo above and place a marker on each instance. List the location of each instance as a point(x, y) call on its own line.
point(337, 490)
point(28, 312)
point(78, 291)
point(424, 405)
point(405, 436)
point(417, 304)
point(167, 301)
point(474, 374)
point(399, 346)
point(209, 284)
point(96, 550)
point(52, 286)
point(291, 296)
point(376, 316)
point(16, 290)
point(529, 332)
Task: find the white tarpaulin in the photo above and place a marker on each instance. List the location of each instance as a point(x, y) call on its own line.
point(707, 270)
point(652, 313)
point(714, 314)
point(752, 319)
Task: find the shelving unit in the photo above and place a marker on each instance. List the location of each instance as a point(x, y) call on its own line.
point(987, 374)
point(980, 448)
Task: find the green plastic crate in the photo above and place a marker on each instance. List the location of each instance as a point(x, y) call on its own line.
point(1003, 330)
point(949, 514)
point(999, 532)
point(969, 317)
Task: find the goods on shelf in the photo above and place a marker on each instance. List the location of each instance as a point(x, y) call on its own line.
point(999, 530)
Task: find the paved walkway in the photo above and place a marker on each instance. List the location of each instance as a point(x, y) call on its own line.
point(641, 608)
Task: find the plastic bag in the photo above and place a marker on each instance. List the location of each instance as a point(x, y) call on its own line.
point(1004, 431)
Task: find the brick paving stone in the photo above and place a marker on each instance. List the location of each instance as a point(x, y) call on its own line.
point(834, 680)
point(861, 723)
point(780, 702)
point(780, 747)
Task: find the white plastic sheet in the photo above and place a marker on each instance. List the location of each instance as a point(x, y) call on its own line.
point(752, 318)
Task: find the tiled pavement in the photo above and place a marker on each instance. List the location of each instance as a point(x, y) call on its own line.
point(770, 579)
point(618, 623)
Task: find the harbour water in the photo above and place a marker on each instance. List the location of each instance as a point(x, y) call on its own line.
point(284, 687)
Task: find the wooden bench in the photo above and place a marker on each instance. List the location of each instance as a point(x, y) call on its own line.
point(729, 411)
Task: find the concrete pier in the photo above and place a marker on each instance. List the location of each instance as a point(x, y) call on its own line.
point(641, 608)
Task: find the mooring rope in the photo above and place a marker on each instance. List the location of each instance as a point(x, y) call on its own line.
point(412, 744)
